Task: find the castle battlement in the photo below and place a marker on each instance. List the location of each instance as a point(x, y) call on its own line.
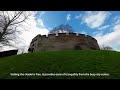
point(64, 41)
point(62, 34)
point(81, 34)
point(53, 36)
point(72, 34)
point(44, 36)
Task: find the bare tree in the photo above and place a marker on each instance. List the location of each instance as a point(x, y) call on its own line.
point(9, 23)
point(23, 49)
point(62, 29)
point(106, 48)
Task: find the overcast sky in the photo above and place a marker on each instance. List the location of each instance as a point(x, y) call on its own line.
point(102, 25)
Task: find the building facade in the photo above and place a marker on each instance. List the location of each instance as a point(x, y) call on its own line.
point(63, 41)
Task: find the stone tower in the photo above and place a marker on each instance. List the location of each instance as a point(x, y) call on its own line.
point(63, 41)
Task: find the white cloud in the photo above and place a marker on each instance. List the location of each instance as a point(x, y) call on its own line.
point(116, 20)
point(39, 23)
point(78, 16)
point(68, 17)
point(95, 19)
point(110, 39)
point(83, 32)
point(42, 13)
point(103, 27)
point(98, 33)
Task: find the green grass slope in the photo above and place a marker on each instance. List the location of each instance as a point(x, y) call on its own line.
point(80, 64)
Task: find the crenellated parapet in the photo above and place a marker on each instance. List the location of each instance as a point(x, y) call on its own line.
point(64, 41)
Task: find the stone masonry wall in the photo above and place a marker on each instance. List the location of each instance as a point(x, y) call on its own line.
point(63, 41)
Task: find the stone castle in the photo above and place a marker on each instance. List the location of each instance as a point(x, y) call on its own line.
point(63, 41)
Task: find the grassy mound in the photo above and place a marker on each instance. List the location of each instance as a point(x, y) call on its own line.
point(84, 64)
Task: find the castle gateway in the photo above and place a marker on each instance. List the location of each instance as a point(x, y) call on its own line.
point(63, 41)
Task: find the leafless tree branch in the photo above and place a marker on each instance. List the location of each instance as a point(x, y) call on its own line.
point(9, 22)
